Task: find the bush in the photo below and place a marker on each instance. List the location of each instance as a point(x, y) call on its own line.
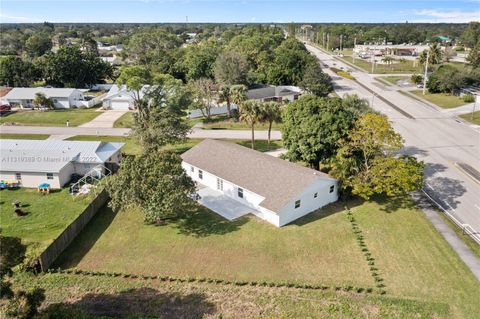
point(468, 98)
point(24, 305)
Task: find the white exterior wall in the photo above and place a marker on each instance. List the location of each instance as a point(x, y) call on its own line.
point(33, 179)
point(230, 189)
point(308, 203)
point(62, 103)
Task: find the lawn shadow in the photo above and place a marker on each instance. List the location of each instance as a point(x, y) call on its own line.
point(134, 303)
point(202, 223)
point(82, 244)
point(325, 211)
point(392, 204)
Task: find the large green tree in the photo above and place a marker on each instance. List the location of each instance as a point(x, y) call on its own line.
point(315, 81)
point(471, 35)
point(205, 94)
point(38, 44)
point(154, 182)
point(270, 112)
point(231, 68)
point(367, 164)
point(16, 72)
point(312, 127)
point(70, 67)
point(435, 55)
point(199, 60)
point(474, 56)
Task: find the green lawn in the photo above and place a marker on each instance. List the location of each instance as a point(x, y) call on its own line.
point(412, 258)
point(398, 67)
point(395, 79)
point(222, 123)
point(91, 297)
point(133, 147)
point(51, 118)
point(442, 100)
point(48, 215)
point(24, 136)
point(126, 120)
point(474, 120)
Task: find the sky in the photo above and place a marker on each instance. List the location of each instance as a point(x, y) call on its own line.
point(277, 11)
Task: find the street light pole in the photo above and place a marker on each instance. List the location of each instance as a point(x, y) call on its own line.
point(425, 74)
point(474, 105)
point(353, 51)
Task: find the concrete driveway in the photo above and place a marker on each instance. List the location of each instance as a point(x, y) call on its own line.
point(221, 204)
point(105, 120)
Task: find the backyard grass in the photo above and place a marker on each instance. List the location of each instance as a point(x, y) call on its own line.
point(468, 117)
point(125, 121)
point(222, 123)
point(442, 100)
point(412, 258)
point(91, 297)
point(51, 118)
point(24, 136)
point(47, 217)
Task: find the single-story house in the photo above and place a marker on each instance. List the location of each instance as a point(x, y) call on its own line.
point(61, 97)
point(276, 190)
point(275, 93)
point(121, 98)
point(33, 162)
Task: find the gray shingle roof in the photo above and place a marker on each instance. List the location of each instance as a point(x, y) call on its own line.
point(277, 180)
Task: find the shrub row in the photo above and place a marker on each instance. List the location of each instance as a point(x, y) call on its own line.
point(366, 252)
point(342, 73)
point(213, 281)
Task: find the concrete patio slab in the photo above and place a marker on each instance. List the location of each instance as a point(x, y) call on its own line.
point(221, 204)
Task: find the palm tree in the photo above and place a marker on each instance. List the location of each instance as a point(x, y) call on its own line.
point(42, 101)
point(388, 60)
point(271, 112)
point(250, 113)
point(238, 94)
point(225, 95)
point(434, 55)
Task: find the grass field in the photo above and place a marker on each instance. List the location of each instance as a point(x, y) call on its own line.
point(442, 100)
point(133, 147)
point(398, 67)
point(126, 120)
point(24, 136)
point(228, 124)
point(468, 117)
point(412, 258)
point(395, 79)
point(51, 118)
point(88, 297)
point(48, 215)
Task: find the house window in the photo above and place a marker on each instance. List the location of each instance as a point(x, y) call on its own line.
point(332, 188)
point(49, 175)
point(18, 176)
point(315, 195)
point(240, 192)
point(220, 184)
point(297, 203)
point(200, 174)
point(192, 169)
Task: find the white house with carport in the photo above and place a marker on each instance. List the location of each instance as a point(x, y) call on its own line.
point(61, 97)
point(33, 162)
point(273, 189)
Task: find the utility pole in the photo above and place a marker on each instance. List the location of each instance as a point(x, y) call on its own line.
point(341, 39)
point(425, 74)
point(353, 51)
point(373, 61)
point(474, 105)
point(328, 40)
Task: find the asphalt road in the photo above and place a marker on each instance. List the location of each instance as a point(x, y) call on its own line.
point(439, 139)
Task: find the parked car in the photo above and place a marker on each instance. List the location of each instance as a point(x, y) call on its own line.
point(5, 108)
point(420, 86)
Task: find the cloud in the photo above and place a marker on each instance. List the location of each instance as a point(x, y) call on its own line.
point(6, 18)
point(445, 16)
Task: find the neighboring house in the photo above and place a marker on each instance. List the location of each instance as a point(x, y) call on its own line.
point(275, 93)
point(33, 162)
point(121, 98)
point(278, 191)
point(61, 97)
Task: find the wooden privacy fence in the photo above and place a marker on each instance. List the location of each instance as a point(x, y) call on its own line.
point(51, 253)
